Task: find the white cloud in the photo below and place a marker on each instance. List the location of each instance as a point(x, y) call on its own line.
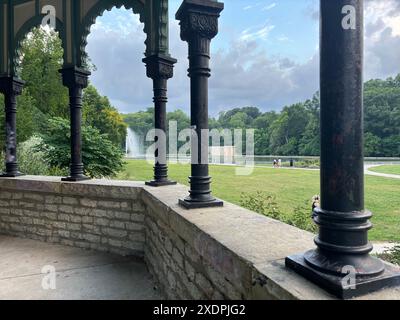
point(382, 38)
point(252, 34)
point(269, 7)
point(242, 74)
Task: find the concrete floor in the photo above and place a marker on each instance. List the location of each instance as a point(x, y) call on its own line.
point(80, 274)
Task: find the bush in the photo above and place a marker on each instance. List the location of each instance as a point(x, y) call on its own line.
point(308, 163)
point(302, 218)
point(266, 204)
point(100, 157)
point(392, 255)
point(262, 203)
point(30, 160)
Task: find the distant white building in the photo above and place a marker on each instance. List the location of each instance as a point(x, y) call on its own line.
point(222, 154)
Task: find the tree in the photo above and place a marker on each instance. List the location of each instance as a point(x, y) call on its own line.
point(98, 113)
point(140, 122)
point(100, 157)
point(41, 58)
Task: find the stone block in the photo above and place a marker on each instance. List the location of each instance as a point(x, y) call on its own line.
point(33, 196)
point(109, 204)
point(51, 207)
point(88, 202)
point(70, 200)
point(65, 209)
point(52, 199)
point(116, 233)
point(122, 215)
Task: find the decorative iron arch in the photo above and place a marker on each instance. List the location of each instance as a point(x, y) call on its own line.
point(74, 20)
point(97, 11)
point(24, 30)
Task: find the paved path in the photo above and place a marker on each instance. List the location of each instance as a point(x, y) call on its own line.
point(378, 174)
point(80, 274)
point(366, 168)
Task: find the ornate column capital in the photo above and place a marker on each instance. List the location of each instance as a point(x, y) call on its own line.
point(159, 66)
point(11, 85)
point(75, 77)
point(199, 18)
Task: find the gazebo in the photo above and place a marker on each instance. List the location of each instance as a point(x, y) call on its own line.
point(73, 20)
point(342, 219)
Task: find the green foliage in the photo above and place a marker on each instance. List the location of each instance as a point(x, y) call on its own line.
point(262, 203)
point(98, 113)
point(308, 163)
point(100, 157)
point(265, 204)
point(44, 97)
point(301, 218)
point(392, 255)
point(31, 160)
point(41, 58)
point(141, 122)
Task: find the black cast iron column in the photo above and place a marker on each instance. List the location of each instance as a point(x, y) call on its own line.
point(199, 24)
point(160, 68)
point(342, 263)
point(75, 80)
point(11, 87)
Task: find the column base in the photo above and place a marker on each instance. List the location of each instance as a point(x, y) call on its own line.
point(190, 204)
point(11, 175)
point(75, 179)
point(155, 183)
point(338, 285)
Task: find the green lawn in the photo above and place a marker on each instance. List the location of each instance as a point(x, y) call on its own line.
point(291, 188)
point(390, 169)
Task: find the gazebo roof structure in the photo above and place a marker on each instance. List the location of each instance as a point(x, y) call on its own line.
point(73, 20)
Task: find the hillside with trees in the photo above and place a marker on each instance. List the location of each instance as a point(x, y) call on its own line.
point(295, 129)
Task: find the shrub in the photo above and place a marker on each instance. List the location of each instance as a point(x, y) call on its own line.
point(31, 161)
point(265, 204)
point(261, 203)
point(392, 255)
point(302, 218)
point(100, 157)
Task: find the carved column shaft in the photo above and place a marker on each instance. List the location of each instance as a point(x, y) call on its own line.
point(160, 69)
point(11, 87)
point(75, 80)
point(199, 24)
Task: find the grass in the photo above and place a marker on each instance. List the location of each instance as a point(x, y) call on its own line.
point(290, 187)
point(389, 169)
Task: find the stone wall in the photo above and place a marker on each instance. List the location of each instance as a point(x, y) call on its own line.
point(218, 253)
point(92, 216)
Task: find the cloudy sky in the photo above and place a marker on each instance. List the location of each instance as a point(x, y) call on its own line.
point(265, 55)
